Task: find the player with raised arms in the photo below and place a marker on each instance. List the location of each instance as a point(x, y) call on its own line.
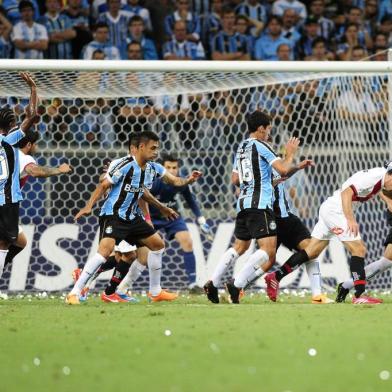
point(119, 220)
point(337, 220)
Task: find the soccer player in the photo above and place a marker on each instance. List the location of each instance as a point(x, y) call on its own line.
point(10, 193)
point(255, 219)
point(177, 229)
point(29, 167)
point(377, 267)
point(119, 221)
point(337, 220)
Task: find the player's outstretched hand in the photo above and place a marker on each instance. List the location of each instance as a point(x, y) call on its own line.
point(28, 79)
point(207, 231)
point(64, 168)
point(292, 145)
point(169, 213)
point(306, 163)
point(195, 175)
point(84, 211)
point(352, 227)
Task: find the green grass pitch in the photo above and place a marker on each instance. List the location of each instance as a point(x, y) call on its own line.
point(256, 346)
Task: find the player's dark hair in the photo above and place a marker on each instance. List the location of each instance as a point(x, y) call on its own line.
point(31, 136)
point(133, 139)
point(7, 117)
point(169, 158)
point(257, 119)
point(146, 136)
point(25, 4)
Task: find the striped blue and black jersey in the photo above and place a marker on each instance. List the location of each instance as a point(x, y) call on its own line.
point(9, 168)
point(281, 206)
point(253, 162)
point(128, 184)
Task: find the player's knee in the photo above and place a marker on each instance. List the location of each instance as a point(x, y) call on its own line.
point(157, 244)
point(187, 245)
point(359, 250)
point(240, 247)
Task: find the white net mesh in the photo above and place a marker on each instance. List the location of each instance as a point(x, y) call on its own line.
point(343, 122)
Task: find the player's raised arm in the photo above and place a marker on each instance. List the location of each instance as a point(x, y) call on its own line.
point(38, 171)
point(180, 181)
point(285, 166)
point(347, 204)
point(99, 191)
point(31, 109)
point(165, 211)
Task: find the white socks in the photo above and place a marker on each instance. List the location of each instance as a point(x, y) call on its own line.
point(3, 255)
point(89, 270)
point(133, 274)
point(247, 274)
point(371, 270)
point(229, 257)
point(313, 271)
point(154, 262)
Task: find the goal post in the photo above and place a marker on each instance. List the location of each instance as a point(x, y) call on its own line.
point(340, 110)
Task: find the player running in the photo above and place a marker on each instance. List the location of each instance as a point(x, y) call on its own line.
point(119, 221)
point(255, 219)
point(377, 267)
point(337, 219)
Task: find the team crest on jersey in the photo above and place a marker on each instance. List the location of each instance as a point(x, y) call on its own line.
point(272, 225)
point(109, 230)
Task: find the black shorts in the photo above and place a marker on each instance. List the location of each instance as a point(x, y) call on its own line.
point(9, 222)
point(291, 231)
point(388, 240)
point(131, 231)
point(253, 223)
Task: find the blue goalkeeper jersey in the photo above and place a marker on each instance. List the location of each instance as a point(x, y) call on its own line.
point(9, 168)
point(167, 193)
point(253, 162)
point(128, 184)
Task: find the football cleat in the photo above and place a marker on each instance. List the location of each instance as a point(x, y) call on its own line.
point(128, 298)
point(322, 299)
point(366, 300)
point(72, 299)
point(113, 298)
point(211, 292)
point(341, 293)
point(162, 296)
point(272, 286)
point(234, 292)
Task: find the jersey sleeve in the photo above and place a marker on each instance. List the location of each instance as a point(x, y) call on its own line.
point(160, 170)
point(24, 161)
point(115, 175)
point(267, 153)
point(14, 137)
point(363, 181)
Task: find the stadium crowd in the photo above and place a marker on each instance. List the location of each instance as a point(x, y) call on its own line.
point(196, 29)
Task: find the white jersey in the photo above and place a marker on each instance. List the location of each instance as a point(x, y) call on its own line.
point(24, 161)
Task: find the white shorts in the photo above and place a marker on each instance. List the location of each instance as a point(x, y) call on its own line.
point(332, 224)
point(124, 247)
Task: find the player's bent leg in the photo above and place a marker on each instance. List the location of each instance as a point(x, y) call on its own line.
point(16, 248)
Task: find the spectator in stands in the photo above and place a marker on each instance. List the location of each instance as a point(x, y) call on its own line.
point(59, 28)
point(385, 27)
point(101, 41)
point(117, 20)
point(350, 40)
point(98, 55)
point(136, 9)
point(267, 45)
point(253, 10)
point(280, 6)
point(289, 30)
point(136, 33)
point(326, 26)
point(79, 22)
point(228, 44)
point(179, 48)
point(211, 23)
point(5, 32)
point(11, 7)
point(380, 40)
point(243, 25)
point(135, 51)
point(191, 21)
point(30, 38)
point(356, 16)
point(385, 10)
point(304, 46)
point(371, 15)
point(284, 52)
point(380, 53)
point(358, 53)
point(201, 7)
point(101, 6)
point(319, 51)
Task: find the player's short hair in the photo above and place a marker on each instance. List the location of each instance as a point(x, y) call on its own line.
point(31, 136)
point(7, 117)
point(169, 158)
point(146, 136)
point(257, 119)
point(25, 4)
point(135, 18)
point(133, 139)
